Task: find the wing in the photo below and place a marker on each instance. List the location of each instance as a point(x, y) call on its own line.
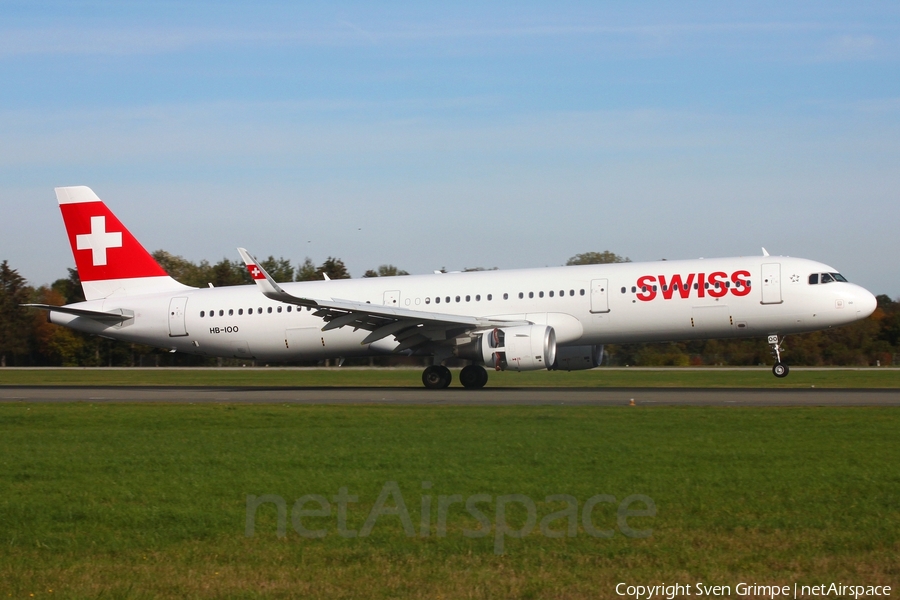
point(411, 328)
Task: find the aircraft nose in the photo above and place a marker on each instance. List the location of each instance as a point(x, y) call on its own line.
point(865, 303)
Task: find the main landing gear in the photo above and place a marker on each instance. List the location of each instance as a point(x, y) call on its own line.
point(473, 376)
point(780, 369)
point(437, 377)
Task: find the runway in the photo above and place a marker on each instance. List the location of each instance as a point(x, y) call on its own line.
point(458, 396)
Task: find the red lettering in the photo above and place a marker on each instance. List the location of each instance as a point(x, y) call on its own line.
point(715, 284)
point(717, 288)
point(741, 286)
point(684, 288)
point(645, 284)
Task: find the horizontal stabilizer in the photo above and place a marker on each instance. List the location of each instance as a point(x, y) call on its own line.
point(80, 312)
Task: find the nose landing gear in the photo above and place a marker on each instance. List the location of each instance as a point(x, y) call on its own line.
point(780, 369)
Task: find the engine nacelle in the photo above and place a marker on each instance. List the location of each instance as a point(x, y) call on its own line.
point(524, 348)
point(577, 358)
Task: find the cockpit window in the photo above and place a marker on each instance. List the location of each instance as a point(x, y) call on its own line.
point(826, 278)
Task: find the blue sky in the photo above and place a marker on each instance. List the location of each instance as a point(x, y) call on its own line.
point(472, 134)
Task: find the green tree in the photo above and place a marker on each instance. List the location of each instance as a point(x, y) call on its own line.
point(280, 269)
point(69, 288)
point(179, 268)
point(227, 272)
point(307, 271)
point(597, 258)
point(385, 271)
point(54, 345)
point(334, 268)
point(15, 321)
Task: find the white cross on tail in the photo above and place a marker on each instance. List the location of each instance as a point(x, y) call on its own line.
point(98, 241)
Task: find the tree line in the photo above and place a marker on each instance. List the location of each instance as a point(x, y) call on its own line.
point(27, 339)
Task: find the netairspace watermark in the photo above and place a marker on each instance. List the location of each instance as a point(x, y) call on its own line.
point(670, 591)
point(479, 507)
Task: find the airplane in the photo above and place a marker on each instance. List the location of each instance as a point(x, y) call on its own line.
point(519, 320)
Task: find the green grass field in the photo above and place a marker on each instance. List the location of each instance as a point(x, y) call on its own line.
point(147, 501)
point(602, 377)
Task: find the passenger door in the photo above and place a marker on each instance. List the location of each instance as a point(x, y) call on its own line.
point(176, 317)
point(771, 283)
point(600, 296)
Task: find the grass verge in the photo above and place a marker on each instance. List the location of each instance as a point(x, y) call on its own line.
point(147, 501)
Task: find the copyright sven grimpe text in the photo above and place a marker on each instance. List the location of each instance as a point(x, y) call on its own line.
point(671, 591)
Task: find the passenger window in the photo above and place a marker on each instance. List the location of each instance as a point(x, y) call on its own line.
point(506, 296)
point(289, 308)
point(665, 288)
point(457, 298)
point(643, 288)
point(571, 292)
point(447, 299)
point(230, 312)
point(623, 290)
point(202, 313)
point(221, 313)
point(428, 300)
point(240, 311)
point(490, 297)
point(581, 292)
point(540, 294)
point(279, 309)
point(259, 310)
point(521, 295)
point(633, 289)
point(562, 293)
point(531, 294)
point(551, 293)
point(654, 289)
point(468, 298)
point(437, 299)
point(477, 297)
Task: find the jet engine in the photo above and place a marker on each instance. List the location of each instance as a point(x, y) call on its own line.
point(577, 358)
point(523, 348)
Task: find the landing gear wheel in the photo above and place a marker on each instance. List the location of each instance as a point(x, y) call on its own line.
point(436, 377)
point(473, 376)
point(780, 369)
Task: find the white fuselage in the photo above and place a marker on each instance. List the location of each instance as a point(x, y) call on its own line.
point(585, 305)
